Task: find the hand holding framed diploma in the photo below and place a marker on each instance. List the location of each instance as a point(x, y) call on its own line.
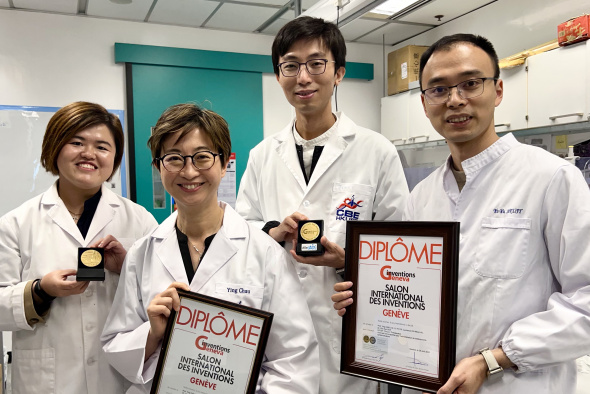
point(401, 327)
point(211, 346)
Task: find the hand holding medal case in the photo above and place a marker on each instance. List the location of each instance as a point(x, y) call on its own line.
point(90, 264)
point(309, 234)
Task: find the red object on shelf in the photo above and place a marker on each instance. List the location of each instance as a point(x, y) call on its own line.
point(574, 30)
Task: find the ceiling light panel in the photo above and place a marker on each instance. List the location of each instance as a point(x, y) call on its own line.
point(65, 6)
point(182, 12)
point(305, 4)
point(136, 11)
point(274, 28)
point(450, 9)
point(394, 33)
point(358, 27)
point(235, 17)
point(391, 7)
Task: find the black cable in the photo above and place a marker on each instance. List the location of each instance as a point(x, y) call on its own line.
point(336, 86)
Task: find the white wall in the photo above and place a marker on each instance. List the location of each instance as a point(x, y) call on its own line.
point(511, 25)
point(52, 60)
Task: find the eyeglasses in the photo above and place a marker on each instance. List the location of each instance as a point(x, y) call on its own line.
point(174, 162)
point(313, 67)
point(466, 89)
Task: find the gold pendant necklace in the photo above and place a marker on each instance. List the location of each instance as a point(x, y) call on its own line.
point(197, 250)
point(75, 216)
point(193, 245)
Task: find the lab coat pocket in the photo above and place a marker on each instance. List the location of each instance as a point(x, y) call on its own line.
point(502, 247)
point(242, 294)
point(350, 201)
point(33, 371)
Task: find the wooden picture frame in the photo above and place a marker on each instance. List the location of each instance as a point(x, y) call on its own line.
point(211, 343)
point(401, 327)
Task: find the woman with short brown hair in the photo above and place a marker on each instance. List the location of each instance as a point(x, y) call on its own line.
point(206, 247)
point(56, 320)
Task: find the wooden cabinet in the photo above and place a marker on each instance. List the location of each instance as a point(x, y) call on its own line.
point(511, 114)
point(558, 86)
point(394, 118)
point(551, 89)
point(419, 127)
point(403, 120)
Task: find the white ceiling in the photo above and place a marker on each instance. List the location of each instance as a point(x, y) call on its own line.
point(359, 27)
point(240, 17)
point(449, 9)
point(65, 6)
point(251, 15)
point(183, 12)
point(391, 33)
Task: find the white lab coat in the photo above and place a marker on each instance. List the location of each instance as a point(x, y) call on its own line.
point(64, 354)
point(355, 163)
point(524, 270)
point(240, 255)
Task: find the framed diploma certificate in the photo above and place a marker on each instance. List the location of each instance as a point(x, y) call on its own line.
point(401, 326)
point(211, 346)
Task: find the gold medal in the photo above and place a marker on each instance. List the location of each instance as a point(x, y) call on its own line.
point(91, 258)
point(310, 231)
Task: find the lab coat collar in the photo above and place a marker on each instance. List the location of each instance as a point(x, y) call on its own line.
point(285, 148)
point(168, 250)
point(474, 164)
point(58, 212)
point(344, 133)
point(345, 128)
point(219, 253)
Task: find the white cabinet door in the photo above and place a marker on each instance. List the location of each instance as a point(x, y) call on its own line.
point(394, 117)
point(419, 127)
point(511, 114)
point(557, 86)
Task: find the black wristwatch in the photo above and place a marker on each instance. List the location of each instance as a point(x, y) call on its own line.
point(46, 298)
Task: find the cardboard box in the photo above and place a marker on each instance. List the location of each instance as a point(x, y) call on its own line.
point(574, 30)
point(403, 67)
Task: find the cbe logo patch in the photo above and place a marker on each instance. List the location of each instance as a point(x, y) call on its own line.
point(346, 210)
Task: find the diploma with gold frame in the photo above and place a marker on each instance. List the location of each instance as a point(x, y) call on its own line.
point(211, 346)
point(401, 326)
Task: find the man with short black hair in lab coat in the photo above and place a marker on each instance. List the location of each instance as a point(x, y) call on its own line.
point(524, 273)
point(321, 166)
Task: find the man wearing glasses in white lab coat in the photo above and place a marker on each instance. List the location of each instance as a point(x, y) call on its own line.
point(321, 166)
point(523, 313)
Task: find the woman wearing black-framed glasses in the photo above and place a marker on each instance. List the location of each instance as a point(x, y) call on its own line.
point(207, 248)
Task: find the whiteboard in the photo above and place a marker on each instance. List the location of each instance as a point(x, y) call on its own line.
point(21, 173)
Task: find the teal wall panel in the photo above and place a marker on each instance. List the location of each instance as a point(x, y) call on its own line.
point(180, 57)
point(235, 95)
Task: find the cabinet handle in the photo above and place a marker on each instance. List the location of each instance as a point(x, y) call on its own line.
point(566, 115)
point(413, 139)
point(502, 124)
point(403, 140)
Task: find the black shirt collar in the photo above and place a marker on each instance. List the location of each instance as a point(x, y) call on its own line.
point(90, 206)
point(186, 255)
